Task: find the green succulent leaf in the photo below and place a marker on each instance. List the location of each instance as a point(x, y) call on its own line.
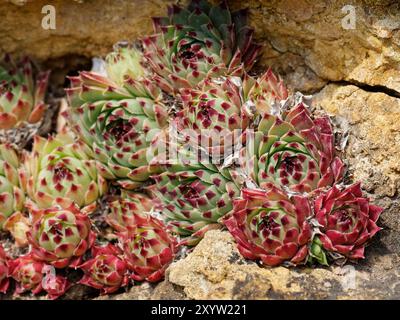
point(317, 252)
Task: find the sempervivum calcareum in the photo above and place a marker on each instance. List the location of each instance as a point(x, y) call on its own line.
point(271, 227)
point(21, 93)
point(118, 116)
point(296, 152)
point(213, 117)
point(28, 273)
point(197, 42)
point(4, 271)
point(106, 270)
point(263, 93)
point(346, 220)
point(123, 211)
point(60, 236)
point(11, 195)
point(148, 247)
point(36, 276)
point(194, 193)
point(18, 225)
point(60, 170)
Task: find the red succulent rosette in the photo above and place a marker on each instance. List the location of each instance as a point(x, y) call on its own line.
point(60, 236)
point(106, 271)
point(4, 271)
point(28, 273)
point(36, 276)
point(295, 152)
point(148, 248)
point(270, 226)
point(213, 117)
point(347, 220)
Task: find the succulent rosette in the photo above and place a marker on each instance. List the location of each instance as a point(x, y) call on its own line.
point(36, 276)
point(28, 273)
point(18, 225)
point(22, 93)
point(347, 221)
point(125, 63)
point(118, 116)
point(123, 210)
point(194, 193)
point(296, 153)
point(61, 171)
point(106, 271)
point(197, 42)
point(271, 227)
point(148, 248)
point(265, 92)
point(60, 236)
point(11, 195)
point(213, 117)
point(4, 271)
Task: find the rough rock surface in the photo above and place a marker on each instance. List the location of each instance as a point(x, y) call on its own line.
point(307, 40)
point(82, 29)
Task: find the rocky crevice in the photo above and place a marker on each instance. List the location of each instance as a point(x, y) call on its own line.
point(367, 87)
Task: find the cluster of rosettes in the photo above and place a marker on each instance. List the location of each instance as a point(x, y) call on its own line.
point(63, 237)
point(46, 199)
point(271, 226)
point(144, 250)
point(191, 142)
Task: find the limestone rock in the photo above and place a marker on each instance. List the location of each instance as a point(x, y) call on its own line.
point(313, 33)
point(82, 29)
point(146, 291)
point(140, 292)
